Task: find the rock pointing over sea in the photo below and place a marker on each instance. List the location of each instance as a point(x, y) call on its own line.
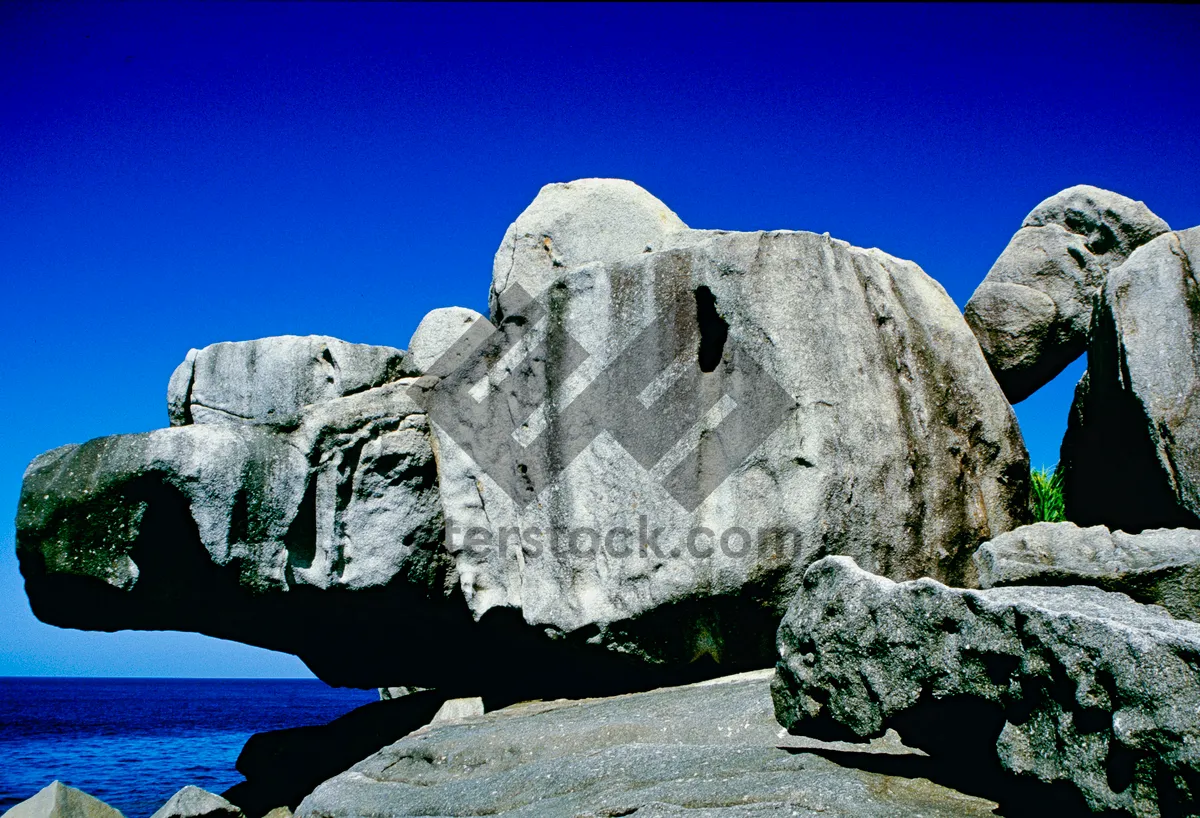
point(1042, 697)
point(1032, 311)
point(60, 801)
point(616, 483)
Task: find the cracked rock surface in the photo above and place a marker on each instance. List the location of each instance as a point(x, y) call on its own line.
point(711, 749)
point(1032, 311)
point(1065, 697)
point(1156, 567)
point(1131, 454)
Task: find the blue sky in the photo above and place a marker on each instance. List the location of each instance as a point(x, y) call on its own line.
point(175, 175)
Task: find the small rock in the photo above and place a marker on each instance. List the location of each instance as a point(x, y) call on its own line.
point(193, 802)
point(456, 710)
point(437, 333)
point(57, 800)
point(1158, 567)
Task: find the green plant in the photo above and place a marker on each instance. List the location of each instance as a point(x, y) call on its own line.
point(1046, 495)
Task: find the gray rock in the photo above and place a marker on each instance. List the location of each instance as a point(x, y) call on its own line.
point(1159, 567)
point(455, 710)
point(573, 223)
point(704, 750)
point(57, 800)
point(848, 410)
point(229, 530)
point(437, 333)
point(1032, 311)
point(632, 471)
point(387, 694)
point(1027, 687)
point(193, 802)
point(1131, 454)
point(270, 380)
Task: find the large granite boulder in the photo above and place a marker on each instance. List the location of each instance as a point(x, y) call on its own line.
point(574, 223)
point(286, 539)
point(1044, 695)
point(1131, 454)
point(1032, 311)
point(57, 800)
point(616, 486)
point(193, 802)
point(1159, 567)
point(712, 749)
point(271, 380)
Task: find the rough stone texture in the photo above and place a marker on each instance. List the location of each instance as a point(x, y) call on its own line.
point(193, 802)
point(884, 436)
point(1160, 567)
point(437, 333)
point(57, 800)
point(271, 380)
point(229, 530)
point(573, 223)
point(1075, 687)
point(1032, 311)
point(671, 437)
point(1131, 454)
point(283, 766)
point(704, 750)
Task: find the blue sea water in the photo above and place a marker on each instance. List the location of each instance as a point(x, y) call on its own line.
point(134, 742)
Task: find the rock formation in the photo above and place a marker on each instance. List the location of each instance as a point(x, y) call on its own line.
point(57, 800)
point(193, 802)
point(712, 749)
point(1032, 311)
point(1131, 455)
point(618, 484)
point(1159, 567)
point(1039, 695)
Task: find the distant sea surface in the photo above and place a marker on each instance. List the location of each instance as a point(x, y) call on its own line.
point(134, 742)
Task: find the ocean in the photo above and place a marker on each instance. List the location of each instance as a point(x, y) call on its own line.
point(134, 742)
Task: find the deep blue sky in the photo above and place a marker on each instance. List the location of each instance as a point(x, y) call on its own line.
point(175, 175)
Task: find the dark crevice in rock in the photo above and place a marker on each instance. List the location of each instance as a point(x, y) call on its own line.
point(714, 330)
point(301, 538)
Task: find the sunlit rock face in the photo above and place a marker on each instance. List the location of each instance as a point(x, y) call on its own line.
point(617, 481)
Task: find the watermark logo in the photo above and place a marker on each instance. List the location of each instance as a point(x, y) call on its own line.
point(524, 399)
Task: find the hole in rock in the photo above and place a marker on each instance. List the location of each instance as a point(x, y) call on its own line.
point(713, 330)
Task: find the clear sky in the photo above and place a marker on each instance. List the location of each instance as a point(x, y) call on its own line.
point(175, 175)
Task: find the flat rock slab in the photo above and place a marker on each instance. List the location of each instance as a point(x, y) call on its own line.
point(712, 749)
point(1157, 567)
point(1065, 698)
point(57, 800)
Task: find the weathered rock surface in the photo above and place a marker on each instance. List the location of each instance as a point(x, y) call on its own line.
point(1131, 454)
point(1159, 567)
point(231, 530)
point(437, 333)
point(271, 380)
point(283, 766)
point(1082, 694)
point(706, 750)
point(1032, 311)
point(574, 223)
point(57, 800)
point(193, 802)
point(619, 487)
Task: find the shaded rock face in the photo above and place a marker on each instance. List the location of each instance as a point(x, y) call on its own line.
point(1159, 567)
point(1032, 311)
point(60, 801)
point(616, 486)
point(283, 539)
point(283, 766)
point(272, 379)
point(193, 802)
point(711, 749)
point(1131, 454)
point(818, 398)
point(1056, 698)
